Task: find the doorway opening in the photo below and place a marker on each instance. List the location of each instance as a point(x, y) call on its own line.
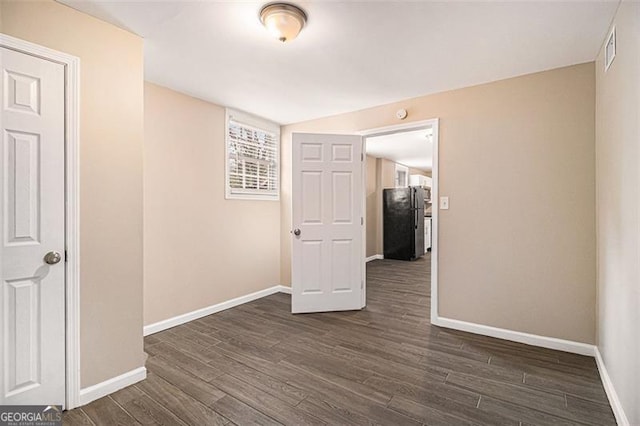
point(400, 203)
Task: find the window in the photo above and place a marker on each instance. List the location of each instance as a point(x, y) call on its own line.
point(253, 158)
point(402, 176)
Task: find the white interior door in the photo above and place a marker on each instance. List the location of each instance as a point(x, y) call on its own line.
point(32, 298)
point(327, 248)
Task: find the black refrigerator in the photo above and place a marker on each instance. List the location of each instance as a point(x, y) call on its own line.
point(403, 223)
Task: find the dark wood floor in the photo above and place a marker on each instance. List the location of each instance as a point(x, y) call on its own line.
point(259, 364)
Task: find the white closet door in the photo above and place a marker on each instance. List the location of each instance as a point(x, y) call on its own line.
point(32, 297)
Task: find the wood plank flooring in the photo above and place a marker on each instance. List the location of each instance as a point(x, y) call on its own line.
point(384, 365)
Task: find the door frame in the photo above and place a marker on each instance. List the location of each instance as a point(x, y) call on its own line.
point(72, 203)
point(399, 128)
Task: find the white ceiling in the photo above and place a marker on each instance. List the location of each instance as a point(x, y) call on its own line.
point(352, 54)
point(413, 149)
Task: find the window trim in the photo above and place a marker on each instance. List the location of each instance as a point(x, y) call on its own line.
point(401, 168)
point(259, 124)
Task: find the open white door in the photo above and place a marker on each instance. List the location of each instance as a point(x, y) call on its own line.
point(327, 218)
point(32, 297)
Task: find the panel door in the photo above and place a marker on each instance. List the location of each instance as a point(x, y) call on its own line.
point(32, 298)
point(327, 218)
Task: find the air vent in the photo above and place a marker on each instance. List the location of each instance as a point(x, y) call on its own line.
point(610, 49)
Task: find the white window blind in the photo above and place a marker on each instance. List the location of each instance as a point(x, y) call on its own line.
point(252, 161)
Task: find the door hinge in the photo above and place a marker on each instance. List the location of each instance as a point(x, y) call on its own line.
point(362, 156)
point(361, 285)
point(361, 220)
point(65, 256)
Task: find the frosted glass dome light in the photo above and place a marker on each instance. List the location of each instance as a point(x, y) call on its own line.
point(283, 20)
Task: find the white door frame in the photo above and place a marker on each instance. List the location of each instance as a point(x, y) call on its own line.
point(405, 127)
point(72, 198)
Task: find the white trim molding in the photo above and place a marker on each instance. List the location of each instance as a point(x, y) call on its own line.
point(374, 257)
point(518, 336)
point(395, 128)
point(199, 313)
point(112, 385)
point(435, 218)
point(284, 289)
point(612, 395)
point(72, 201)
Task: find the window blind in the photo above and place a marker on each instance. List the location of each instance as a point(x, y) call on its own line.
point(252, 160)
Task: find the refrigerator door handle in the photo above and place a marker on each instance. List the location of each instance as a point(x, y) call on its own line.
point(414, 197)
point(418, 210)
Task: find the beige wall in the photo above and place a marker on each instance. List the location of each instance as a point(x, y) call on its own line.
point(111, 137)
point(372, 206)
point(618, 209)
point(517, 246)
point(200, 249)
point(385, 178)
point(387, 174)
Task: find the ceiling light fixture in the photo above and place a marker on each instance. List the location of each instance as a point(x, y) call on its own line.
point(283, 20)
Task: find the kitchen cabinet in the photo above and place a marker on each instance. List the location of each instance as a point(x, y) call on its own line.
point(419, 180)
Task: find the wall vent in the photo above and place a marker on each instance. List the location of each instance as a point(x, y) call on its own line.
point(610, 49)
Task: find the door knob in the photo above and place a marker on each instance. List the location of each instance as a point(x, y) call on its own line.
point(296, 232)
point(52, 257)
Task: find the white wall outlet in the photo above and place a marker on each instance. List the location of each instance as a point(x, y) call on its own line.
point(444, 203)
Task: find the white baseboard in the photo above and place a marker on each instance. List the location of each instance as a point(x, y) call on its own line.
point(517, 336)
point(616, 405)
point(193, 315)
point(375, 257)
point(284, 289)
point(112, 385)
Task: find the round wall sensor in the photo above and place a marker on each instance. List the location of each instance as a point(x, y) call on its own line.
point(401, 114)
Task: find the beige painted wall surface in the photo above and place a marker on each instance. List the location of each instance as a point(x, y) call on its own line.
point(111, 138)
point(200, 249)
point(618, 210)
point(388, 174)
point(517, 246)
point(387, 179)
point(372, 206)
